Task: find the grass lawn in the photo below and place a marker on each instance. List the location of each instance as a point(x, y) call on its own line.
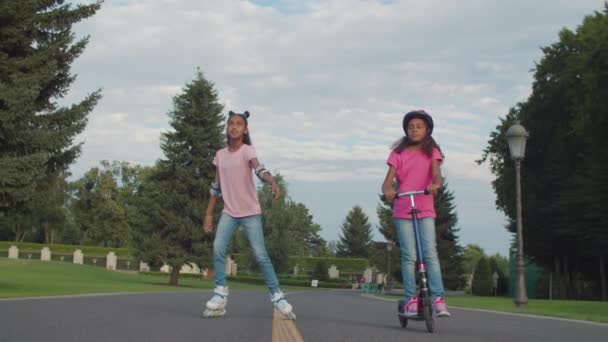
point(31, 278)
point(582, 310)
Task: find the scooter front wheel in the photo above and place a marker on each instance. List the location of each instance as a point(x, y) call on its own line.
point(403, 321)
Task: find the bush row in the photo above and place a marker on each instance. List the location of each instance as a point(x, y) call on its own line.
point(307, 264)
point(350, 265)
point(258, 280)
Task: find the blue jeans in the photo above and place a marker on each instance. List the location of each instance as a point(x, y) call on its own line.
point(407, 242)
point(252, 225)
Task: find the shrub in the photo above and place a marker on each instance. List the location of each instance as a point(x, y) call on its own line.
point(320, 271)
point(482, 279)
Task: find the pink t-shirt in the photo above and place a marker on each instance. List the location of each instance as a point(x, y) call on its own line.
point(236, 181)
point(414, 172)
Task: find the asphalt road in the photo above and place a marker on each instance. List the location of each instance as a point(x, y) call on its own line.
point(322, 316)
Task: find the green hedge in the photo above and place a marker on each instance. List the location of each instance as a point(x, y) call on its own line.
point(181, 275)
point(307, 264)
point(346, 265)
point(65, 249)
point(258, 280)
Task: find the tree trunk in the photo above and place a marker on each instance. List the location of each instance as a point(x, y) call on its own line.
point(47, 238)
point(173, 279)
point(19, 235)
point(15, 228)
point(558, 279)
point(566, 278)
point(603, 278)
point(576, 281)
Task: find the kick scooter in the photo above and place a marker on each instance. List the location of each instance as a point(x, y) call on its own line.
point(425, 309)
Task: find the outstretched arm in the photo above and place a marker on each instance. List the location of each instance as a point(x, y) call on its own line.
point(265, 176)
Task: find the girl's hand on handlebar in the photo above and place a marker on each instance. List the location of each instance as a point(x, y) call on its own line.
point(433, 189)
point(390, 195)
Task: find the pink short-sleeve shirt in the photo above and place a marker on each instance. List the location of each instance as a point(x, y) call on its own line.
point(236, 181)
point(414, 171)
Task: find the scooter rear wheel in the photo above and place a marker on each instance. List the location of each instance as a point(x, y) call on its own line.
point(428, 315)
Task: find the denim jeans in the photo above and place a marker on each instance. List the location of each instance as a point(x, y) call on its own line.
point(407, 242)
point(252, 225)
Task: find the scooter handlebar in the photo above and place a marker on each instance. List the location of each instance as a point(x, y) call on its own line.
point(411, 193)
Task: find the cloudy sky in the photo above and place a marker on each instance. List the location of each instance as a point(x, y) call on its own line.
point(327, 83)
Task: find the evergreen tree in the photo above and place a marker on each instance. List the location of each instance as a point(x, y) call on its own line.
point(500, 265)
point(471, 255)
point(565, 169)
point(277, 223)
point(288, 227)
point(384, 210)
point(332, 248)
point(482, 278)
point(356, 238)
point(36, 135)
point(174, 195)
point(450, 252)
point(386, 227)
point(321, 270)
point(48, 212)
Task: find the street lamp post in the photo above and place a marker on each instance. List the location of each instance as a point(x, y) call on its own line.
point(389, 248)
point(516, 136)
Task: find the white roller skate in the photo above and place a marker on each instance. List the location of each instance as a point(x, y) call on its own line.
point(281, 304)
point(216, 306)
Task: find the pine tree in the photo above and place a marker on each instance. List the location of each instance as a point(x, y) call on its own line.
point(175, 194)
point(356, 237)
point(471, 255)
point(482, 278)
point(36, 135)
point(288, 227)
point(320, 270)
point(500, 265)
point(278, 228)
point(384, 211)
point(450, 252)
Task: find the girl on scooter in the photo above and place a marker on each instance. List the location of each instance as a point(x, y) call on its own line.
point(415, 164)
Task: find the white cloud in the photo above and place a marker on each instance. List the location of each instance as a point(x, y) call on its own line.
point(327, 82)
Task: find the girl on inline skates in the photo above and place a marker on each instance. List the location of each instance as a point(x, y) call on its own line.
point(234, 184)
